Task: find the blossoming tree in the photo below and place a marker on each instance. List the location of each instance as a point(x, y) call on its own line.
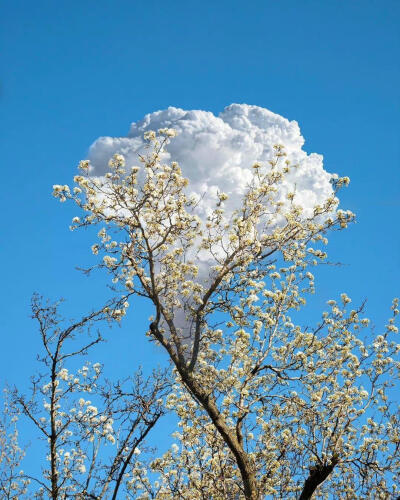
point(267, 407)
point(92, 428)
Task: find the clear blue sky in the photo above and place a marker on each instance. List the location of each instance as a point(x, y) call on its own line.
point(74, 70)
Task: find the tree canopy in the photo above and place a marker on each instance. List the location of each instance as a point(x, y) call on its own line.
point(267, 407)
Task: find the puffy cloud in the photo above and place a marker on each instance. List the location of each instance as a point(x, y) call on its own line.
point(216, 152)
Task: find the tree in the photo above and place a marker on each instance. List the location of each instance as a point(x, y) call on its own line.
point(12, 484)
point(91, 444)
point(266, 406)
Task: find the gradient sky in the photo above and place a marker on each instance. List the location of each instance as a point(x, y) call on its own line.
point(73, 71)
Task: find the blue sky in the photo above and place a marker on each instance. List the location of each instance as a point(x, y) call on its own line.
point(73, 71)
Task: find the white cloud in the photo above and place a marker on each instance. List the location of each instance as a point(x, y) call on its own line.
point(216, 153)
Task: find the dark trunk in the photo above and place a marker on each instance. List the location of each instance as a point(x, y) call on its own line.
point(318, 474)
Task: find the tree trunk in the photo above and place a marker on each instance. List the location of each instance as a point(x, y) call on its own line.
point(228, 435)
point(318, 474)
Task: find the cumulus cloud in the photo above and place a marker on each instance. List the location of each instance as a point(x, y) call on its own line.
point(216, 152)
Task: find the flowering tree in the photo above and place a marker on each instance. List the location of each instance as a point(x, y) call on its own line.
point(92, 445)
point(12, 484)
point(266, 406)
